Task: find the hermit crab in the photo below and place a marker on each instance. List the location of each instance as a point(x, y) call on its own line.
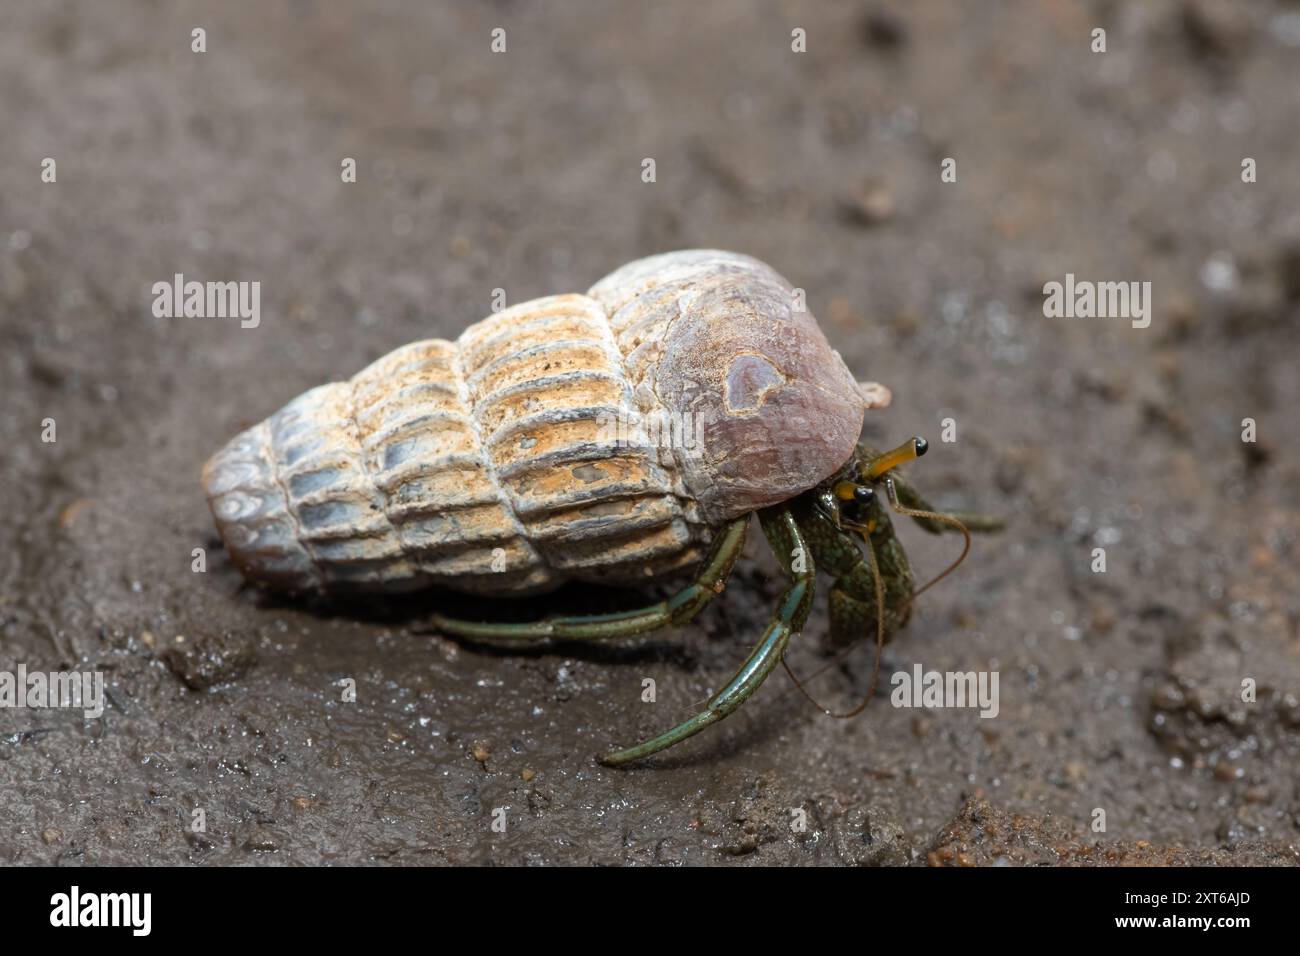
point(622, 436)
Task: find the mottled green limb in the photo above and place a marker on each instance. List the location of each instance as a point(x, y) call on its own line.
point(679, 609)
point(784, 535)
point(853, 595)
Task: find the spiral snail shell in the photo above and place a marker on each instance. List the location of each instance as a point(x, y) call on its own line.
point(488, 464)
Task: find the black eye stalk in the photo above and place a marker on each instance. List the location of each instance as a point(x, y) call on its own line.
point(864, 494)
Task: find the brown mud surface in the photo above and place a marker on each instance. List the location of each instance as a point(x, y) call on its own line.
point(1118, 691)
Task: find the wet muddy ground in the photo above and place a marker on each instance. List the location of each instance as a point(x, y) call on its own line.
point(1119, 691)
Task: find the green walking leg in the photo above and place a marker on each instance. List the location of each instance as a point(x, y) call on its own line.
point(678, 609)
point(910, 497)
point(783, 534)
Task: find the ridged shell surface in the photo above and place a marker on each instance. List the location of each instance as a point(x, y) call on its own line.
point(531, 450)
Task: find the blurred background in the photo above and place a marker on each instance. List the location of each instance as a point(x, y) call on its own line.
point(522, 170)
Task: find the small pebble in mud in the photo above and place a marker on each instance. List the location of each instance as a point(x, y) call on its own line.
point(528, 775)
point(1216, 29)
point(261, 842)
point(566, 683)
point(1228, 771)
point(884, 31)
point(1256, 453)
point(209, 659)
point(480, 752)
point(870, 205)
point(52, 835)
point(69, 515)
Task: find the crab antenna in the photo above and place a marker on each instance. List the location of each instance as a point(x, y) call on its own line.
point(911, 449)
point(933, 516)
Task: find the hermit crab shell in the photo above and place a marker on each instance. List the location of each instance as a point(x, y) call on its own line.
point(599, 437)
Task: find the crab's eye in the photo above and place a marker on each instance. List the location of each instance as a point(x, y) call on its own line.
point(864, 494)
point(846, 490)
